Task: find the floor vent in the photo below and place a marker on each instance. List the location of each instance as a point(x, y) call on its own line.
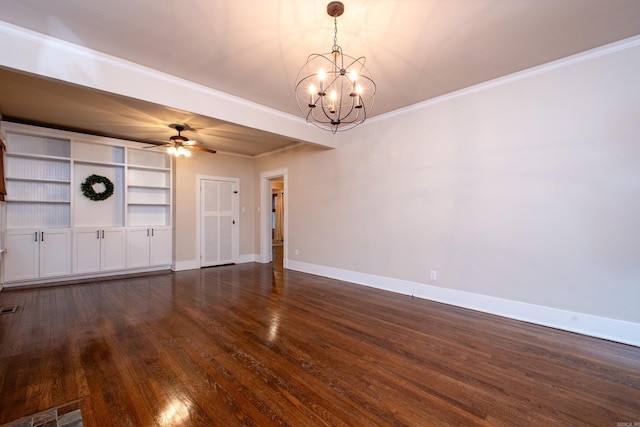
point(8, 310)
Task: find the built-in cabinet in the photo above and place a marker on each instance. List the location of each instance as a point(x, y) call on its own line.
point(35, 254)
point(148, 246)
point(53, 230)
point(99, 249)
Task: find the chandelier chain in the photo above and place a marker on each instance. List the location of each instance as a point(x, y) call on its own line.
point(335, 29)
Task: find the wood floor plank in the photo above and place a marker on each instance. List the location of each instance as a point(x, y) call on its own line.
point(256, 346)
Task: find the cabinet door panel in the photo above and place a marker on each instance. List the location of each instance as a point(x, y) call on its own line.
point(21, 258)
point(113, 249)
point(86, 251)
point(55, 253)
point(137, 247)
point(160, 246)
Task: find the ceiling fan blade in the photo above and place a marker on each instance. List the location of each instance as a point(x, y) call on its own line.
point(208, 150)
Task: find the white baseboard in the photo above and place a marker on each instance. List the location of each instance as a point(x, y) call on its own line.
point(194, 265)
point(585, 324)
point(185, 265)
point(242, 259)
point(79, 278)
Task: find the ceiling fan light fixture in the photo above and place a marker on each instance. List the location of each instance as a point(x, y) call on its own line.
point(335, 91)
point(179, 146)
point(177, 149)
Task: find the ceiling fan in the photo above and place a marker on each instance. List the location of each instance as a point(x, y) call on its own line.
point(179, 144)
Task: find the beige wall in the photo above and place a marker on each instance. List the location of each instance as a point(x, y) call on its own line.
point(526, 190)
point(220, 165)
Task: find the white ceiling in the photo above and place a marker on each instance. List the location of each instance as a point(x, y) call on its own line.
point(416, 50)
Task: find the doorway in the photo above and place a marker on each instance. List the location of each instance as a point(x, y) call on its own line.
point(274, 217)
point(277, 222)
point(217, 221)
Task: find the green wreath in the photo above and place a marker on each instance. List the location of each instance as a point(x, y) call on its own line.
point(90, 193)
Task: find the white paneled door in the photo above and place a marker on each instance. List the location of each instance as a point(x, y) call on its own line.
point(217, 222)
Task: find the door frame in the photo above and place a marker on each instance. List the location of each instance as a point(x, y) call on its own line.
point(234, 208)
point(266, 254)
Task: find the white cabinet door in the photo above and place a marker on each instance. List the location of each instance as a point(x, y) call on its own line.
point(55, 252)
point(32, 254)
point(21, 258)
point(86, 250)
point(138, 247)
point(160, 246)
point(113, 246)
point(97, 249)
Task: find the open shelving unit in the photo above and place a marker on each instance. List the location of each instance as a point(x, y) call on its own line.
point(53, 230)
point(38, 178)
point(148, 188)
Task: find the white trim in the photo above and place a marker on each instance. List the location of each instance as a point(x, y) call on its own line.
point(265, 214)
point(520, 75)
point(194, 265)
point(185, 265)
point(77, 277)
point(246, 258)
point(234, 208)
point(581, 323)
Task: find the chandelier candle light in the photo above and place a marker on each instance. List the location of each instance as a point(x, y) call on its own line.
point(334, 90)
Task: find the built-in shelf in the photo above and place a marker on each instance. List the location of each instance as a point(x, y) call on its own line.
point(148, 178)
point(148, 168)
point(38, 201)
point(89, 152)
point(147, 159)
point(38, 215)
point(44, 170)
point(143, 215)
point(38, 156)
point(38, 179)
point(60, 181)
point(37, 169)
point(38, 146)
point(95, 162)
point(149, 186)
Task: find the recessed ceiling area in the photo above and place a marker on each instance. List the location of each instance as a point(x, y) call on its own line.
point(27, 98)
point(416, 50)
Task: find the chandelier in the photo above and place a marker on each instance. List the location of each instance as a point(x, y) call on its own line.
point(335, 91)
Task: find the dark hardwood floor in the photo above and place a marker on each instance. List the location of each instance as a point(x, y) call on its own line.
point(247, 345)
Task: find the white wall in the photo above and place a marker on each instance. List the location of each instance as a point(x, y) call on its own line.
point(523, 191)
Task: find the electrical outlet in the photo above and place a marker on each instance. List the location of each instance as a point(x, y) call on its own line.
point(434, 275)
point(297, 252)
